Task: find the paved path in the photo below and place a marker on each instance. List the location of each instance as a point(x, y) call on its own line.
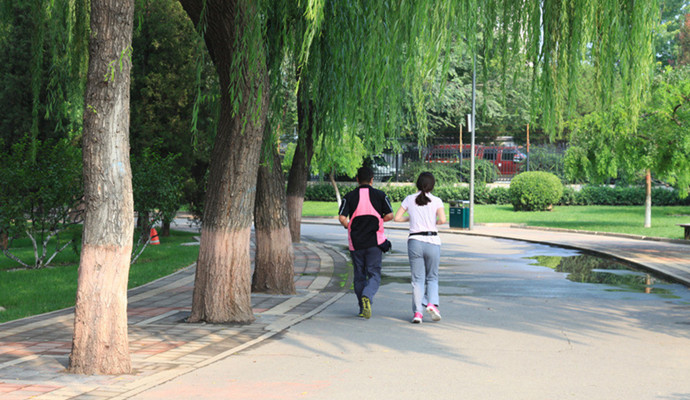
point(33, 351)
point(510, 330)
point(668, 257)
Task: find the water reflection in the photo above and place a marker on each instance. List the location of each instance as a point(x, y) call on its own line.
point(585, 268)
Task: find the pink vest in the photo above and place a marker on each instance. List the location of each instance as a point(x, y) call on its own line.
point(364, 207)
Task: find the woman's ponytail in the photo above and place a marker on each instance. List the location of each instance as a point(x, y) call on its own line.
point(425, 184)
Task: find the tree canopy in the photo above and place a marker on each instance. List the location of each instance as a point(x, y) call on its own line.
point(605, 145)
point(43, 55)
point(367, 63)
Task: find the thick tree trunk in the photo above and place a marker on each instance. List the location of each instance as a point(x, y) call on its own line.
point(301, 164)
point(100, 344)
point(274, 261)
point(222, 288)
point(648, 200)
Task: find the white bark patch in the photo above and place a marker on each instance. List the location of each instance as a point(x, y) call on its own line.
point(100, 344)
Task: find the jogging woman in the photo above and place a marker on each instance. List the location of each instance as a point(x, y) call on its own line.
point(425, 211)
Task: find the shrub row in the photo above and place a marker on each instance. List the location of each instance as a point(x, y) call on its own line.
point(621, 196)
point(588, 195)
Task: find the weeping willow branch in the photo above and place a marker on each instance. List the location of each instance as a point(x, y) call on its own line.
point(370, 62)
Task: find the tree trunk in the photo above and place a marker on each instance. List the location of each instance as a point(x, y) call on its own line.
point(335, 186)
point(165, 229)
point(301, 164)
point(222, 287)
point(274, 261)
point(143, 225)
point(648, 201)
point(100, 343)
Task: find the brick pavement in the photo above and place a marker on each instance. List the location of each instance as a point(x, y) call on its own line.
point(34, 351)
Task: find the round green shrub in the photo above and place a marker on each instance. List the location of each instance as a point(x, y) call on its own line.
point(535, 191)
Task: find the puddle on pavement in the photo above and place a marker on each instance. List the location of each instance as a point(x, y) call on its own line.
point(586, 268)
point(609, 274)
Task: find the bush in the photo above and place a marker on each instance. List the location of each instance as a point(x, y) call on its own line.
point(447, 193)
point(319, 192)
point(445, 174)
point(484, 171)
point(569, 197)
point(624, 196)
point(588, 195)
point(325, 191)
point(668, 197)
point(547, 158)
point(451, 193)
point(448, 174)
point(611, 196)
point(499, 195)
point(535, 191)
point(398, 193)
point(40, 196)
point(454, 193)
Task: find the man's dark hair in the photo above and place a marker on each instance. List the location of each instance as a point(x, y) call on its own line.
point(364, 175)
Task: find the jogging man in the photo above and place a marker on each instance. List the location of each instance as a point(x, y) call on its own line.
point(363, 212)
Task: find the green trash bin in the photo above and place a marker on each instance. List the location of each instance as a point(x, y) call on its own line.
point(459, 214)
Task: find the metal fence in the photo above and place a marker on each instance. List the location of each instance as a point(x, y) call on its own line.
point(509, 160)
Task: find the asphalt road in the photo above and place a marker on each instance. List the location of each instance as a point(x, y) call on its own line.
point(510, 330)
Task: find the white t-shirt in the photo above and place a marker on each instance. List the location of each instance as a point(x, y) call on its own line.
point(423, 218)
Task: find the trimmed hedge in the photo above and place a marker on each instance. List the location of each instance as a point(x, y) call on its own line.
point(325, 191)
point(535, 191)
point(621, 196)
point(588, 195)
point(499, 195)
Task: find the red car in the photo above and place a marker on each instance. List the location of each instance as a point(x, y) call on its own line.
point(507, 158)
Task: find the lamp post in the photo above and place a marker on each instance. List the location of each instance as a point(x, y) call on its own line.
point(472, 126)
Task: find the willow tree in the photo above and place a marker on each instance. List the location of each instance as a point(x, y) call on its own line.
point(274, 256)
point(234, 36)
point(363, 62)
point(100, 343)
point(603, 146)
point(43, 62)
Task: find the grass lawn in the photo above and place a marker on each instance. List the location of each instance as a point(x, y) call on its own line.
point(29, 292)
point(615, 219)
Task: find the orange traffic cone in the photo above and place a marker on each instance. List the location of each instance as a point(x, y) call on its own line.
point(154, 237)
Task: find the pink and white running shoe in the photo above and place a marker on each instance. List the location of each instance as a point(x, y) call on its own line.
point(435, 313)
point(417, 318)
